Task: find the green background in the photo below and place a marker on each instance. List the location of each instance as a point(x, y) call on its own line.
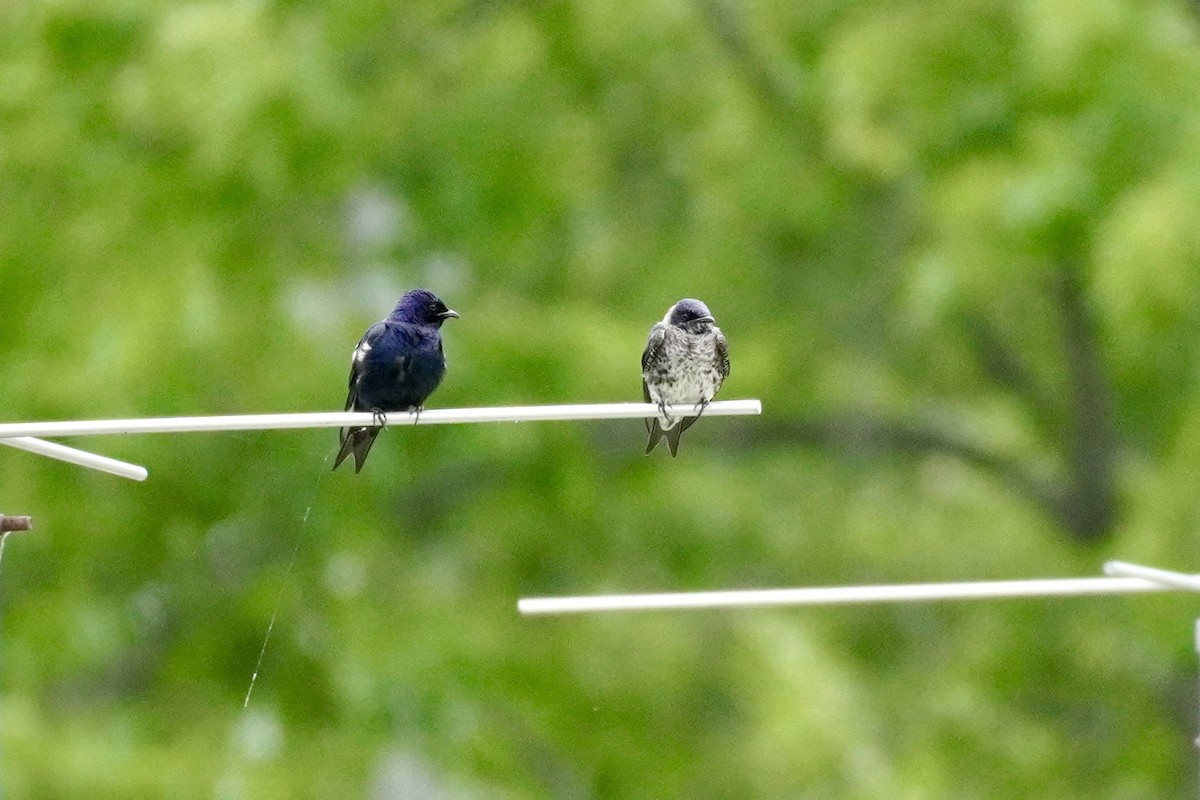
point(953, 245)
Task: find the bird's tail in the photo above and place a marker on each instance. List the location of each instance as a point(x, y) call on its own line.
point(656, 434)
point(672, 434)
point(356, 441)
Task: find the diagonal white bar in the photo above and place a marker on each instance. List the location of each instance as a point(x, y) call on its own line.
point(341, 419)
point(1175, 580)
point(80, 457)
point(831, 595)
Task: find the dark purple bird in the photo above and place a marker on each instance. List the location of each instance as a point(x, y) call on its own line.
point(395, 367)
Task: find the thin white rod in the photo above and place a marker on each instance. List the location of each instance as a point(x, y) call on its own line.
point(1176, 580)
point(80, 457)
point(828, 595)
point(342, 419)
point(1196, 741)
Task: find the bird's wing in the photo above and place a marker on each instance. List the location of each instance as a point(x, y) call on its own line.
point(722, 354)
point(658, 335)
point(368, 341)
point(358, 441)
point(648, 420)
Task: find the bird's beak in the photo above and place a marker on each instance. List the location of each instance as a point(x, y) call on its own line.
point(709, 318)
point(447, 314)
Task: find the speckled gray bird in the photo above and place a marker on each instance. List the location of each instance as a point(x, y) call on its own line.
point(395, 367)
point(686, 360)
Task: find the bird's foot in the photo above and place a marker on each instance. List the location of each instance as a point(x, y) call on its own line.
point(379, 417)
point(665, 419)
point(417, 413)
point(700, 406)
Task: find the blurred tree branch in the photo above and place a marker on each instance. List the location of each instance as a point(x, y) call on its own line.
point(776, 91)
point(1084, 503)
point(1082, 500)
point(1001, 364)
point(1074, 416)
point(1087, 503)
point(858, 432)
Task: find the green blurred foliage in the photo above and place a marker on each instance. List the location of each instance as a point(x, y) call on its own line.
point(205, 204)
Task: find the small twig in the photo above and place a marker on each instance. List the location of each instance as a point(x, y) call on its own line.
point(13, 524)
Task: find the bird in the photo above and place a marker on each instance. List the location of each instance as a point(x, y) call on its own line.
point(395, 366)
point(685, 361)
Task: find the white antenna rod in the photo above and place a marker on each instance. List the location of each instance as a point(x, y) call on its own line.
point(830, 595)
point(80, 457)
point(1175, 580)
point(342, 419)
point(1196, 741)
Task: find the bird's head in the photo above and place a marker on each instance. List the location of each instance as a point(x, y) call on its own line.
point(422, 307)
point(691, 315)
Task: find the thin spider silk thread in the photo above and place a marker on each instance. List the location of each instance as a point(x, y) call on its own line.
point(287, 581)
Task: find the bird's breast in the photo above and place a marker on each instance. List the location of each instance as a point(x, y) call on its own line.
point(686, 369)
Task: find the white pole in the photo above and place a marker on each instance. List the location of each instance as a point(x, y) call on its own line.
point(1196, 741)
point(826, 595)
point(342, 419)
point(1176, 580)
point(80, 457)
